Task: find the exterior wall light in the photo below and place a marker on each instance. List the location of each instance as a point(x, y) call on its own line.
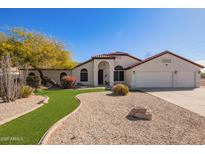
point(175, 72)
point(133, 72)
point(199, 72)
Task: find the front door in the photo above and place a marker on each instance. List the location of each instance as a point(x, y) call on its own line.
point(100, 77)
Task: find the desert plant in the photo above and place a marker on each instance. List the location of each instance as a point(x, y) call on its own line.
point(33, 81)
point(26, 91)
point(11, 79)
point(68, 82)
point(202, 75)
point(120, 89)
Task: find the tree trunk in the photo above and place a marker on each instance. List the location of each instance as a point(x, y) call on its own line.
point(45, 79)
point(11, 80)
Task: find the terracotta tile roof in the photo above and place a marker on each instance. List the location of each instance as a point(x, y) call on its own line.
point(160, 54)
point(103, 56)
point(123, 54)
point(111, 55)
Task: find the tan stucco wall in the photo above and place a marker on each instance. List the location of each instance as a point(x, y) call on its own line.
point(124, 61)
point(89, 67)
point(177, 64)
point(128, 77)
point(53, 74)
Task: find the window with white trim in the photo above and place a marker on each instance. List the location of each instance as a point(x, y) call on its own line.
point(84, 75)
point(119, 73)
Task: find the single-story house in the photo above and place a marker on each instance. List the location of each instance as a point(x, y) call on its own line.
point(164, 70)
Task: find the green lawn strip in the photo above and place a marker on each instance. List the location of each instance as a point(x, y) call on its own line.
point(29, 128)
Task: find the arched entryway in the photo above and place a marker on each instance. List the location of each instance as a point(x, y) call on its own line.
point(103, 73)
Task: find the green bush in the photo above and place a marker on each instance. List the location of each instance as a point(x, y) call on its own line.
point(26, 91)
point(33, 81)
point(120, 89)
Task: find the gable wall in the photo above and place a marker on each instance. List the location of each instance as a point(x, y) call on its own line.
point(124, 61)
point(89, 67)
point(176, 64)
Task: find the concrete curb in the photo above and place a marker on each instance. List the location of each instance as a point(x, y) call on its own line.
point(48, 133)
point(90, 88)
point(42, 102)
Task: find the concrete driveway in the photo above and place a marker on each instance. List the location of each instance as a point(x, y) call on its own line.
point(191, 99)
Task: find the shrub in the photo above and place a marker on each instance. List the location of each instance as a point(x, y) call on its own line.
point(26, 91)
point(120, 89)
point(33, 81)
point(203, 75)
point(68, 82)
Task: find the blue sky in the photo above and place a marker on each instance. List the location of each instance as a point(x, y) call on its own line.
point(140, 32)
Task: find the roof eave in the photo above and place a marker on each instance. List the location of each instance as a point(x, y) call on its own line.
point(103, 57)
point(85, 62)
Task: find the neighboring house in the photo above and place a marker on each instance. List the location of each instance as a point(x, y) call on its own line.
point(162, 70)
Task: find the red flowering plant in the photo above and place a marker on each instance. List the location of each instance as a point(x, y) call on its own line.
point(68, 82)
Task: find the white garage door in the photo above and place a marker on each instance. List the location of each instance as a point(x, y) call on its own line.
point(153, 79)
point(185, 79)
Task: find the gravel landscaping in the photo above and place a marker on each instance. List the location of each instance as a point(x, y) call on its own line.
point(102, 119)
point(12, 109)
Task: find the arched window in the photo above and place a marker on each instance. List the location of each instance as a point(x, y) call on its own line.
point(83, 75)
point(31, 74)
point(118, 67)
point(62, 75)
point(118, 73)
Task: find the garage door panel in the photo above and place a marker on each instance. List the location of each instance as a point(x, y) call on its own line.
point(185, 79)
point(153, 79)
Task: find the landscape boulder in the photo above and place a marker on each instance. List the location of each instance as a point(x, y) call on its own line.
point(142, 113)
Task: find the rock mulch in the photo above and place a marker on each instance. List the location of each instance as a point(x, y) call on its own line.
point(102, 119)
point(8, 111)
